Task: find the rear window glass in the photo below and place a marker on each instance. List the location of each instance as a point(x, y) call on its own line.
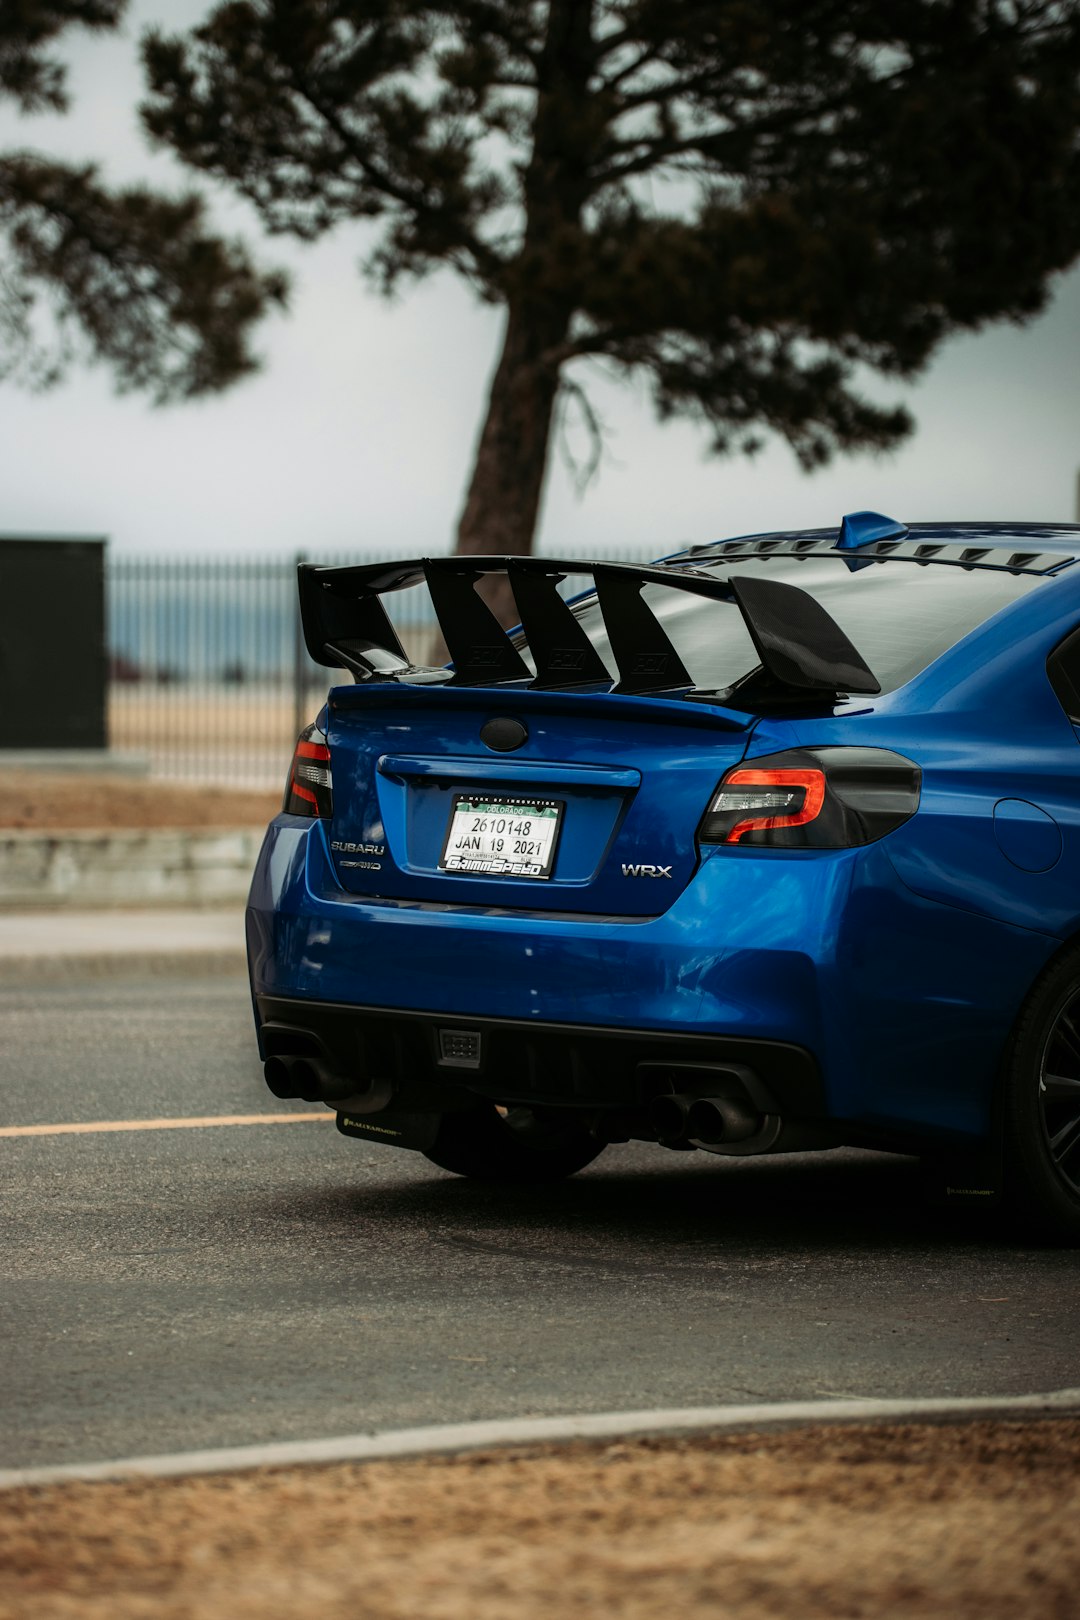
point(898, 615)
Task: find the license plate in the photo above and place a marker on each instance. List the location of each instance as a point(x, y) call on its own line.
point(503, 837)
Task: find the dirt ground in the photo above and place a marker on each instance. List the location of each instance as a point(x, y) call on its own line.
point(52, 800)
point(909, 1523)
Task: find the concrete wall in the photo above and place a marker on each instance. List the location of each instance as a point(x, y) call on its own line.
point(127, 868)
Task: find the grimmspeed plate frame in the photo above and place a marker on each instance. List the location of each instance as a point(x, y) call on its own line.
point(502, 835)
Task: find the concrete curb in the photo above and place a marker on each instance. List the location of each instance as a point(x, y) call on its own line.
point(22, 970)
point(51, 945)
point(453, 1437)
point(76, 761)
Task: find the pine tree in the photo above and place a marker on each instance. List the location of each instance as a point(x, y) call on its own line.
point(129, 277)
point(745, 201)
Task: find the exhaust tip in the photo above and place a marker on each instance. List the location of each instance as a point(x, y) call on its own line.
point(720, 1119)
point(293, 1077)
point(668, 1117)
point(306, 1081)
point(277, 1077)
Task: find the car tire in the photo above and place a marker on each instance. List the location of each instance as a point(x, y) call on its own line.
point(1041, 1107)
point(514, 1145)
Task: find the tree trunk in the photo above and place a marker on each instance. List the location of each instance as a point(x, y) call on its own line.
point(503, 502)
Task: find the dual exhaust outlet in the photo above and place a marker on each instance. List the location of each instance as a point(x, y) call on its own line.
point(710, 1120)
point(296, 1077)
point(679, 1119)
point(307, 1078)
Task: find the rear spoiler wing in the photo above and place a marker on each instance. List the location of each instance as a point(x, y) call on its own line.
point(802, 649)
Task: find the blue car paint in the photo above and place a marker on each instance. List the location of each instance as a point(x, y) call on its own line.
point(900, 966)
point(863, 528)
point(1028, 837)
point(671, 749)
point(824, 949)
point(984, 724)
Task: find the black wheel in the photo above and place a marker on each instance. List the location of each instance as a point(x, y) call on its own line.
point(1042, 1106)
point(515, 1145)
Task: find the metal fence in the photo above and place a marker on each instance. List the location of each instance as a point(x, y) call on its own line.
point(209, 679)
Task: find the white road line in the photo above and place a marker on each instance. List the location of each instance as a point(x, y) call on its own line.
point(92, 1127)
point(536, 1431)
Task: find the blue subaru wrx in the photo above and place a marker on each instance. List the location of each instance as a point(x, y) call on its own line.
point(770, 846)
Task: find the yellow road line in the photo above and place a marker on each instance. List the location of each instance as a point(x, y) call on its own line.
point(189, 1124)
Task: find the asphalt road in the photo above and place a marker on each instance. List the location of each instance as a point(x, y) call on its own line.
point(176, 1289)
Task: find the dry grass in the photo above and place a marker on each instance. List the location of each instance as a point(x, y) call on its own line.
point(979, 1520)
point(176, 717)
point(52, 801)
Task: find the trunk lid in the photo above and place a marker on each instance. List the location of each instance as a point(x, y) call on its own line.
point(621, 781)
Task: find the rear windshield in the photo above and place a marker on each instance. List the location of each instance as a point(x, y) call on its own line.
point(898, 615)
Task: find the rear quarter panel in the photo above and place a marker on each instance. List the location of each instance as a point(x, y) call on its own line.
point(944, 932)
point(985, 726)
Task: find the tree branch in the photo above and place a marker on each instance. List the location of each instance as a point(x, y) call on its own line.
point(582, 472)
point(166, 303)
point(26, 28)
point(496, 21)
point(487, 263)
point(669, 90)
point(709, 143)
point(649, 54)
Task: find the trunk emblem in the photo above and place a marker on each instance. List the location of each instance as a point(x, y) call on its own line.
point(503, 734)
point(637, 870)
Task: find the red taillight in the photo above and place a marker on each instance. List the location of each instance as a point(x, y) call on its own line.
point(756, 801)
point(309, 790)
point(834, 797)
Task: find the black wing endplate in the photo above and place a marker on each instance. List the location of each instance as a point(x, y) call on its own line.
point(802, 649)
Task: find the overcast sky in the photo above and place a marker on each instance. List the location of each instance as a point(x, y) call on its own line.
point(359, 432)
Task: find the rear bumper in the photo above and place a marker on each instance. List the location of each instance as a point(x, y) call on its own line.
point(744, 962)
point(898, 1004)
point(510, 1060)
